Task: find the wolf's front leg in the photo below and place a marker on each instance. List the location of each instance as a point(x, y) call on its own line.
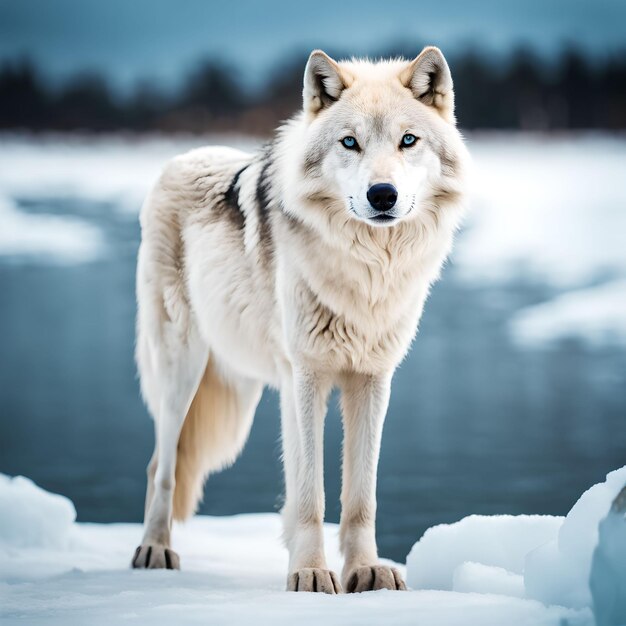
point(303, 408)
point(364, 405)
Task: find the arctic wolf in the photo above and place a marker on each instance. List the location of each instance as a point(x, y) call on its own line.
point(303, 267)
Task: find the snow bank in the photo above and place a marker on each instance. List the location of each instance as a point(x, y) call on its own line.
point(608, 567)
point(596, 314)
point(542, 558)
point(558, 572)
point(54, 238)
point(500, 541)
point(233, 574)
point(32, 517)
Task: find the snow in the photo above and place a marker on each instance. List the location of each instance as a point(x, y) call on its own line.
point(597, 314)
point(501, 541)
point(36, 518)
point(541, 558)
point(470, 577)
point(551, 211)
point(608, 567)
point(558, 572)
point(56, 570)
point(114, 169)
point(52, 238)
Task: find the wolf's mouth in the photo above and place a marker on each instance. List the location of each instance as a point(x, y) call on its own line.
point(382, 218)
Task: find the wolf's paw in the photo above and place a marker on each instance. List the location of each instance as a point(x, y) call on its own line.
point(371, 578)
point(152, 556)
point(314, 579)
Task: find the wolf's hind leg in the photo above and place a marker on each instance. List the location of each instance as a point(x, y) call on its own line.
point(150, 472)
point(180, 363)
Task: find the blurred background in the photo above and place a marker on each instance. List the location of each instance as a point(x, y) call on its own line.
point(513, 399)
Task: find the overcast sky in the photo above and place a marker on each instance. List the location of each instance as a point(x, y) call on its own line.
point(159, 39)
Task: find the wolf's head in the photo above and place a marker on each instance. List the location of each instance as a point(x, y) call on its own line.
point(378, 140)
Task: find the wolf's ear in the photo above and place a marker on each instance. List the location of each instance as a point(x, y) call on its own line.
point(324, 81)
point(428, 77)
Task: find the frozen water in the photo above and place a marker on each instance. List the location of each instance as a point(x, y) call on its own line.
point(608, 567)
point(547, 559)
point(558, 572)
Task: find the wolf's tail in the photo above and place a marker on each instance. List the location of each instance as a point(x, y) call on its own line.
point(214, 432)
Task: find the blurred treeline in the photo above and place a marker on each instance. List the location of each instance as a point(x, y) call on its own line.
point(523, 91)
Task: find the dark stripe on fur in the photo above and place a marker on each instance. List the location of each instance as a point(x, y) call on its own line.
point(230, 205)
point(263, 203)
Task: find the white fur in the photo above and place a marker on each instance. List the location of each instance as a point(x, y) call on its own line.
point(286, 280)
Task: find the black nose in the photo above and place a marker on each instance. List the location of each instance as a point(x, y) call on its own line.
point(382, 196)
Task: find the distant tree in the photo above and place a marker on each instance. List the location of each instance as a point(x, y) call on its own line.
point(212, 86)
point(475, 83)
point(581, 93)
point(526, 92)
point(146, 107)
point(523, 92)
point(614, 80)
point(282, 94)
point(23, 98)
point(86, 104)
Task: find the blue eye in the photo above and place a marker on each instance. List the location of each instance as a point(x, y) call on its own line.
point(350, 143)
point(408, 140)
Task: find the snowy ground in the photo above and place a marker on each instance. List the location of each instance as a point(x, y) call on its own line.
point(480, 571)
point(548, 210)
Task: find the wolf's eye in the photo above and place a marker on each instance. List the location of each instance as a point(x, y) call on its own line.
point(350, 143)
point(408, 140)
